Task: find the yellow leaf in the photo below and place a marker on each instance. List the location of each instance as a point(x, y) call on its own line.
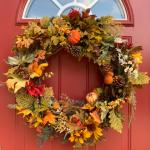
point(87, 107)
point(71, 138)
point(137, 57)
point(49, 118)
point(26, 112)
point(19, 108)
point(38, 121)
point(16, 84)
point(81, 140)
point(87, 134)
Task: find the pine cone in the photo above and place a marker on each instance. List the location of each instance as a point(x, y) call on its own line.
point(114, 56)
point(23, 73)
point(118, 81)
point(76, 51)
point(106, 68)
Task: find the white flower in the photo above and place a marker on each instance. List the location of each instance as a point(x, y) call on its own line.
point(135, 73)
point(118, 40)
point(126, 69)
point(130, 62)
point(118, 50)
point(125, 57)
point(130, 69)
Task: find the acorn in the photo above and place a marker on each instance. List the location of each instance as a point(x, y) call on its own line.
point(91, 97)
point(108, 78)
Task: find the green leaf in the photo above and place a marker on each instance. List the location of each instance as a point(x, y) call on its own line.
point(21, 59)
point(47, 133)
point(115, 121)
point(142, 78)
point(24, 100)
point(104, 111)
point(13, 60)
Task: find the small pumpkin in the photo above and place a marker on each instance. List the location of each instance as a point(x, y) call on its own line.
point(91, 97)
point(108, 78)
point(74, 37)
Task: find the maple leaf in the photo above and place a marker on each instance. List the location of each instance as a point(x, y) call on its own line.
point(16, 84)
point(49, 118)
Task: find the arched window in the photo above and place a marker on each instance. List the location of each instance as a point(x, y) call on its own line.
point(35, 9)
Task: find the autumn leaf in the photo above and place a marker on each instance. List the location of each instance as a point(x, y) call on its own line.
point(22, 42)
point(38, 122)
point(16, 84)
point(45, 22)
point(49, 118)
point(95, 116)
point(142, 78)
point(21, 59)
point(87, 107)
point(26, 112)
point(55, 40)
point(115, 121)
point(56, 105)
point(36, 70)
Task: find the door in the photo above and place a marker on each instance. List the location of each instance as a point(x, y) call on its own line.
point(72, 77)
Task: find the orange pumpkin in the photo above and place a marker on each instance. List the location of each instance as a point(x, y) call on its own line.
point(91, 97)
point(108, 78)
point(74, 37)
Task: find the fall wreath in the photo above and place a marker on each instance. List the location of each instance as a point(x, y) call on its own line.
point(81, 35)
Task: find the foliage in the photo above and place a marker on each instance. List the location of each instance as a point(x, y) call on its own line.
point(142, 78)
point(81, 35)
point(115, 121)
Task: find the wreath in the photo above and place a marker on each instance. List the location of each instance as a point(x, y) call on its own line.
point(81, 35)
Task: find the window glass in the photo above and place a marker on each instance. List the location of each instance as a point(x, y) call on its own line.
point(40, 8)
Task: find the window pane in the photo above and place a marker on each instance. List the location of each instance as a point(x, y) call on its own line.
point(108, 7)
point(40, 8)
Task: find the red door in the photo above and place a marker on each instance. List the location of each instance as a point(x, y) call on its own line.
point(74, 79)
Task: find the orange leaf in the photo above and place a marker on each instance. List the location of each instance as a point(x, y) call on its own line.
point(36, 70)
point(49, 118)
point(56, 105)
point(95, 116)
